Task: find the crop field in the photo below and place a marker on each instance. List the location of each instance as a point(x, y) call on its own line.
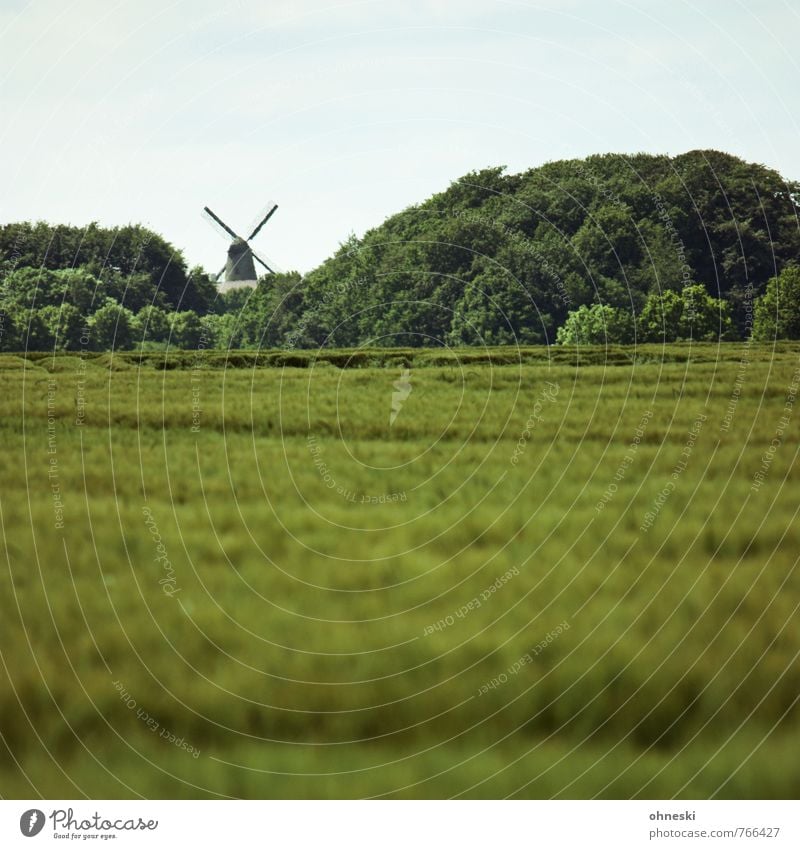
point(471, 573)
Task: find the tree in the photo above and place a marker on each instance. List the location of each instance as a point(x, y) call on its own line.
point(134, 291)
point(660, 319)
point(187, 330)
point(63, 326)
point(152, 325)
point(29, 331)
point(11, 329)
point(81, 288)
point(201, 294)
point(222, 331)
point(34, 287)
point(128, 251)
point(704, 319)
point(278, 304)
point(111, 327)
point(499, 308)
point(40, 287)
point(234, 300)
point(777, 311)
point(598, 324)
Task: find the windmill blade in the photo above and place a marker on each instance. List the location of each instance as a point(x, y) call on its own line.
point(222, 224)
point(263, 222)
point(220, 272)
point(257, 258)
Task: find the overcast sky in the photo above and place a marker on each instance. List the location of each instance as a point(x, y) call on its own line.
point(346, 112)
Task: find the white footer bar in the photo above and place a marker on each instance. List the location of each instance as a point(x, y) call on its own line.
point(402, 825)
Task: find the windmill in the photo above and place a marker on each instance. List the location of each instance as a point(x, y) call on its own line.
point(239, 269)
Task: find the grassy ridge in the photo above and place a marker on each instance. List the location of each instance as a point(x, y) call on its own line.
point(298, 649)
point(364, 357)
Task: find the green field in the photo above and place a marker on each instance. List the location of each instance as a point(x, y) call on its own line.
point(558, 573)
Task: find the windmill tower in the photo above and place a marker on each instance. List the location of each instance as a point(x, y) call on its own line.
point(239, 269)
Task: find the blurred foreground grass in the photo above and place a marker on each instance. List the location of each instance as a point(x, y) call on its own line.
point(248, 555)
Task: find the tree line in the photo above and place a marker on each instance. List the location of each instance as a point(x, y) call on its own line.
point(610, 248)
point(95, 288)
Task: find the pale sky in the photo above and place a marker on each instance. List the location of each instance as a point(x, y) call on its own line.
point(345, 112)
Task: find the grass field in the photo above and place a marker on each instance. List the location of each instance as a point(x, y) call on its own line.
point(557, 573)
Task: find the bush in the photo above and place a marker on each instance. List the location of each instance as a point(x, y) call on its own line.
point(777, 312)
point(692, 314)
point(598, 324)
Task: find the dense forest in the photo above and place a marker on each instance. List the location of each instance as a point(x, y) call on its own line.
point(615, 248)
